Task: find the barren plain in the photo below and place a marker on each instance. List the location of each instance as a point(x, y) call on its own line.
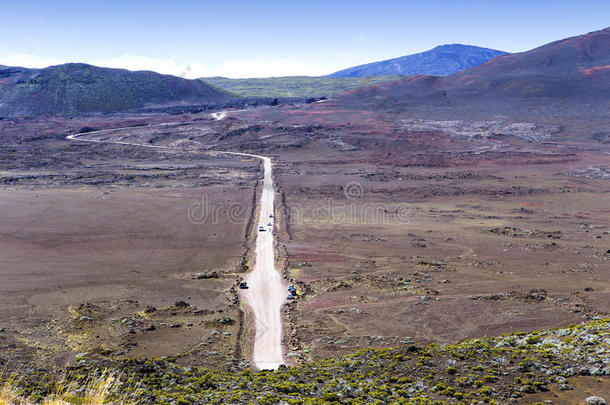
point(393, 229)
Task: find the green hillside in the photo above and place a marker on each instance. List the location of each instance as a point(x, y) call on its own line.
point(75, 88)
point(293, 86)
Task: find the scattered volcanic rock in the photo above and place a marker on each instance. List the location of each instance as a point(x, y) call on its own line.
point(594, 400)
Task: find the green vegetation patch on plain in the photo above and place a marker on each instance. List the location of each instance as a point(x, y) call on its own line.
point(485, 370)
point(293, 86)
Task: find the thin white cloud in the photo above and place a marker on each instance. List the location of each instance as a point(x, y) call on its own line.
point(168, 65)
point(259, 66)
point(27, 60)
point(232, 67)
point(131, 62)
point(265, 67)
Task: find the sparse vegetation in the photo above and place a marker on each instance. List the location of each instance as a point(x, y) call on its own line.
point(78, 88)
point(82, 390)
point(486, 369)
point(293, 86)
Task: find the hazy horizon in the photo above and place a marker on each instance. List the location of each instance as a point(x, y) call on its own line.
point(204, 39)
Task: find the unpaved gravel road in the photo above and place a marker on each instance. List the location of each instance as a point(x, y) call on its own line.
point(267, 291)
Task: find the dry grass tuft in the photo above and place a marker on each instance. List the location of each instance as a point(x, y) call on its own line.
point(97, 392)
point(8, 394)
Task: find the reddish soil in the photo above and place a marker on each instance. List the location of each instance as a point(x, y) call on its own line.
point(390, 234)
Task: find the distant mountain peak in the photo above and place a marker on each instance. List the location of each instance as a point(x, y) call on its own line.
point(458, 46)
point(442, 60)
point(569, 76)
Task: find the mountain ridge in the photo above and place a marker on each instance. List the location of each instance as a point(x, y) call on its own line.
point(564, 76)
point(74, 88)
point(441, 60)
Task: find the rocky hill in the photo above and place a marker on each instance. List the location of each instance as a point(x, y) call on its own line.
point(79, 88)
point(566, 77)
point(442, 60)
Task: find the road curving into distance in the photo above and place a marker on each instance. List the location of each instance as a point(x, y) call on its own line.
point(267, 291)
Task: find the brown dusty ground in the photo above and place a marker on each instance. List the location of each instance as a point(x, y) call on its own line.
point(97, 247)
point(448, 267)
point(392, 235)
point(396, 235)
point(583, 387)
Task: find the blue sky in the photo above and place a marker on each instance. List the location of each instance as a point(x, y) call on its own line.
point(274, 38)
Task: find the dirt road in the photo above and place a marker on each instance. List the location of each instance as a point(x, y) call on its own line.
point(267, 291)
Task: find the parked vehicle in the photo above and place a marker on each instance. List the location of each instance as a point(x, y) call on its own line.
point(270, 215)
point(290, 297)
point(269, 224)
point(261, 229)
point(243, 285)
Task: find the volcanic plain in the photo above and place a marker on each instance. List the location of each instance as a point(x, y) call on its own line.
point(393, 229)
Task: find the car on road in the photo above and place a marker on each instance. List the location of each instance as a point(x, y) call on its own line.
point(269, 224)
point(270, 215)
point(261, 229)
point(243, 285)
